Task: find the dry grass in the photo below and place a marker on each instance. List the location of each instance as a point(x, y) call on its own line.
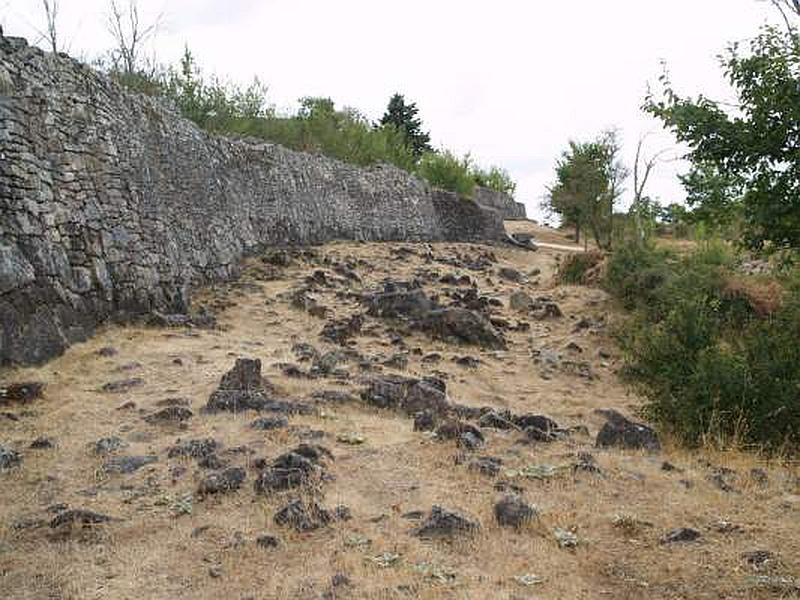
point(151, 553)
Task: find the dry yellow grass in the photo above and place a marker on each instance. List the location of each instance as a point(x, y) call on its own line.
point(151, 553)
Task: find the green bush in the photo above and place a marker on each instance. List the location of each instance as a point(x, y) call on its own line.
point(708, 362)
point(494, 178)
point(445, 170)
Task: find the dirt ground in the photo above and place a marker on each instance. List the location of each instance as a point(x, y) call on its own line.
point(166, 541)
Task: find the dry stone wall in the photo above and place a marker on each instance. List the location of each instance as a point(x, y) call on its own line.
point(501, 203)
point(112, 205)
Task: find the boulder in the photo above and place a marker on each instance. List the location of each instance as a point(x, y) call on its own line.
point(513, 511)
point(461, 325)
point(621, 432)
point(442, 523)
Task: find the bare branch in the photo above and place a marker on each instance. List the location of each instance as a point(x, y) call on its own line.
point(129, 35)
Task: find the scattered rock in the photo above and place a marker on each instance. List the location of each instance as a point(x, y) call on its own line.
point(269, 423)
point(42, 443)
point(79, 516)
point(305, 352)
point(225, 481)
point(407, 394)
point(198, 449)
point(513, 511)
point(302, 516)
point(170, 414)
point(486, 465)
point(682, 534)
point(291, 469)
point(21, 392)
point(107, 351)
point(399, 304)
point(9, 458)
point(124, 465)
point(521, 302)
point(108, 445)
point(268, 542)
point(453, 429)
point(461, 325)
point(241, 388)
point(342, 330)
point(442, 523)
point(622, 433)
point(123, 385)
point(425, 420)
point(758, 559)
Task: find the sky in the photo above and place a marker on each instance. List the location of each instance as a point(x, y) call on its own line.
point(509, 81)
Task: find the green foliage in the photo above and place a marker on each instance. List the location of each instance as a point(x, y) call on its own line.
point(707, 361)
point(403, 117)
point(445, 170)
point(494, 178)
point(745, 160)
point(588, 181)
point(574, 268)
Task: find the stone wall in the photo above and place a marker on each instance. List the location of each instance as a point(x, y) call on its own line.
point(501, 203)
point(111, 205)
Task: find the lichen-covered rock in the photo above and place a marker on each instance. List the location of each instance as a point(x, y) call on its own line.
point(407, 394)
point(228, 480)
point(461, 325)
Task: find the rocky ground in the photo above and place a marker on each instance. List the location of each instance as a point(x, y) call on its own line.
point(374, 421)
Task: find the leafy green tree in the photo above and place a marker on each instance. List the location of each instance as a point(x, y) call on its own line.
point(589, 177)
point(496, 179)
point(445, 170)
point(747, 157)
point(403, 116)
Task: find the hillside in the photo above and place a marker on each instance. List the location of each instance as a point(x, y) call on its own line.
point(111, 433)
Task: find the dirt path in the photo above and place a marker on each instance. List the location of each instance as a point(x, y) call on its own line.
point(168, 541)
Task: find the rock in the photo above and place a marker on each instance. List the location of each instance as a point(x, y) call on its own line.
point(521, 302)
point(122, 385)
point(342, 330)
point(407, 394)
point(107, 352)
point(759, 476)
point(198, 448)
point(401, 304)
point(21, 392)
point(758, 559)
point(124, 465)
point(42, 443)
point(79, 516)
point(397, 361)
point(212, 462)
point(108, 445)
point(469, 441)
point(453, 429)
point(621, 433)
point(486, 465)
point(9, 458)
point(268, 542)
point(225, 481)
point(269, 423)
point(305, 352)
point(496, 420)
point(241, 388)
point(425, 421)
point(170, 414)
point(302, 516)
point(682, 534)
point(334, 396)
point(442, 523)
point(469, 362)
point(461, 325)
point(291, 469)
point(513, 511)
point(510, 274)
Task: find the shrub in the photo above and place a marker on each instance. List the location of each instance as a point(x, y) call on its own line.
point(577, 268)
point(713, 353)
point(445, 170)
point(496, 179)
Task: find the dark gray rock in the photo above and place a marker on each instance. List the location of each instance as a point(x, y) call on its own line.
point(340, 331)
point(79, 516)
point(407, 394)
point(425, 420)
point(403, 304)
point(486, 465)
point(9, 458)
point(124, 465)
point(268, 542)
point(42, 443)
point(303, 516)
point(122, 385)
point(268, 423)
point(21, 392)
point(513, 511)
point(461, 325)
point(442, 523)
point(682, 534)
point(170, 414)
point(108, 445)
point(222, 482)
point(198, 449)
point(622, 433)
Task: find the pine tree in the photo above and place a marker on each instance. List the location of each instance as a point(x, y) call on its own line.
point(404, 118)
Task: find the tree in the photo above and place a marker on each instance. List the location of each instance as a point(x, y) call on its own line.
point(642, 167)
point(50, 32)
point(404, 117)
point(129, 35)
point(589, 178)
point(745, 158)
point(790, 6)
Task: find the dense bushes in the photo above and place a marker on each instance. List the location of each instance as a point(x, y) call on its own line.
point(318, 126)
point(714, 353)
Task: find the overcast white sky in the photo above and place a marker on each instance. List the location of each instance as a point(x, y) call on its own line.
point(510, 81)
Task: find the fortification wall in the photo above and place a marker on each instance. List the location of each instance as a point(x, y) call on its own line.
point(112, 205)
